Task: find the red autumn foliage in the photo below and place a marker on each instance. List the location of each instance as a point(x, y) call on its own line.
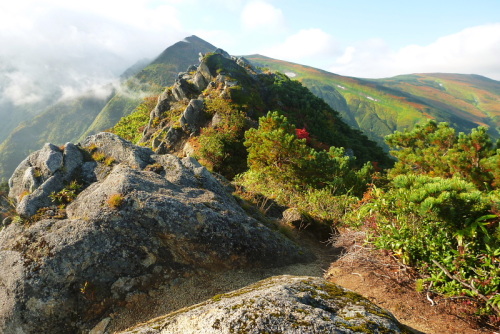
point(303, 134)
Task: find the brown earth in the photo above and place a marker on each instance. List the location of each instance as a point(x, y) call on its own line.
point(383, 280)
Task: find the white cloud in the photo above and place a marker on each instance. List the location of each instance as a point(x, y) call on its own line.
point(473, 50)
point(262, 16)
point(21, 89)
point(63, 46)
point(347, 57)
point(97, 90)
point(308, 43)
point(370, 59)
point(144, 14)
point(229, 4)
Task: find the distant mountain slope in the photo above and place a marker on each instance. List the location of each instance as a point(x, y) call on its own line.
point(59, 124)
point(380, 107)
point(474, 97)
point(152, 79)
point(71, 120)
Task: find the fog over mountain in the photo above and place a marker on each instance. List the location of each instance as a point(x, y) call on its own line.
point(56, 52)
point(34, 69)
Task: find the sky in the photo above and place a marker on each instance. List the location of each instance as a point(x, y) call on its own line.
point(79, 44)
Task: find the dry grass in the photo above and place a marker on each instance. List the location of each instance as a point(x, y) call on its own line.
point(115, 201)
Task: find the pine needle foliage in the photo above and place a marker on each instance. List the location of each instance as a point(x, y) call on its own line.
point(435, 149)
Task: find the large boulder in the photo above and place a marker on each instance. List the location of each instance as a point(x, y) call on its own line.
point(282, 304)
point(141, 221)
point(42, 173)
point(184, 90)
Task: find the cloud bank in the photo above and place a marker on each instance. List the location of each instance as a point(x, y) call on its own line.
point(473, 50)
point(53, 47)
point(262, 16)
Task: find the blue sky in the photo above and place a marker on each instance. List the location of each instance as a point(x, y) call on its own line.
point(84, 43)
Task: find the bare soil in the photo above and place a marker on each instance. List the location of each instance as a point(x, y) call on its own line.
point(383, 280)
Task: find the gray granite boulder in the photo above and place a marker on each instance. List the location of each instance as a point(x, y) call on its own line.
point(282, 304)
point(141, 221)
point(193, 116)
point(42, 173)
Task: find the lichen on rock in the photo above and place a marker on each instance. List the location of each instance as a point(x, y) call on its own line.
point(282, 304)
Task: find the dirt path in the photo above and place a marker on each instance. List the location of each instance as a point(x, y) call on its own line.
point(359, 272)
point(204, 285)
point(380, 278)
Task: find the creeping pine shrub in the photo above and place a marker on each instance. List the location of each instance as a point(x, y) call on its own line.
point(284, 168)
point(277, 155)
point(434, 149)
point(428, 221)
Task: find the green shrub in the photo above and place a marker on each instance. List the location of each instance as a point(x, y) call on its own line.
point(276, 155)
point(130, 127)
point(436, 150)
point(67, 194)
point(221, 147)
point(434, 223)
point(322, 184)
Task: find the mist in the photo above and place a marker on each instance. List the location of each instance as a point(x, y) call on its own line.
point(50, 53)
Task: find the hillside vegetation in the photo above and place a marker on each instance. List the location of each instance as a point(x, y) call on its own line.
point(380, 107)
point(61, 123)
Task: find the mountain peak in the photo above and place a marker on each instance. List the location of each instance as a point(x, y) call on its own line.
point(194, 39)
point(186, 51)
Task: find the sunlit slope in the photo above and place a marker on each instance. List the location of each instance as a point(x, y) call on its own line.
point(58, 124)
point(379, 107)
point(472, 97)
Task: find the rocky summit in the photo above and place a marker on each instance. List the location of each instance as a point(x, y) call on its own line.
point(105, 218)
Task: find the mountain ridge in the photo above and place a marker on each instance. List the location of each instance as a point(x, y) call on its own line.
point(378, 107)
point(382, 106)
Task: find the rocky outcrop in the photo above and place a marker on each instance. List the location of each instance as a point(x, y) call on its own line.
point(218, 73)
point(283, 304)
point(41, 174)
point(193, 118)
point(140, 221)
